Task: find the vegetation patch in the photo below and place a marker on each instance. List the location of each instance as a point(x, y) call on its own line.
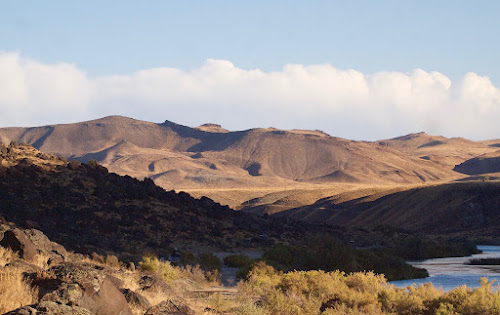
point(328, 253)
point(237, 261)
point(419, 248)
point(336, 292)
point(485, 261)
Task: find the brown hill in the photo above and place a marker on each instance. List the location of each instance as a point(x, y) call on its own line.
point(446, 152)
point(469, 209)
point(181, 157)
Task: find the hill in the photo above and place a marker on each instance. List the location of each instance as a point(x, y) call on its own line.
point(91, 210)
point(181, 157)
point(446, 152)
point(464, 209)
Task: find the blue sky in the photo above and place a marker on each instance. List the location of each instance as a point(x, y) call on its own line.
point(102, 39)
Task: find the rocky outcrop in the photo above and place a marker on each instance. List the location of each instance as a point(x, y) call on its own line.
point(50, 308)
point(83, 285)
point(76, 287)
point(33, 246)
point(17, 240)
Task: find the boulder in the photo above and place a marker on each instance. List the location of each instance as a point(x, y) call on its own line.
point(118, 283)
point(17, 240)
point(106, 300)
point(42, 242)
point(23, 265)
point(57, 254)
point(136, 299)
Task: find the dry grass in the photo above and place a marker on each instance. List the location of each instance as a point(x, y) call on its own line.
point(7, 256)
point(304, 193)
point(42, 259)
point(14, 290)
point(190, 284)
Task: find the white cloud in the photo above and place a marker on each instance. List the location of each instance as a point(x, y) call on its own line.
point(344, 103)
point(34, 93)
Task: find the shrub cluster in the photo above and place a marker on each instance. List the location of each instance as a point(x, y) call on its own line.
point(237, 261)
point(327, 253)
point(268, 291)
point(418, 248)
point(485, 261)
point(207, 266)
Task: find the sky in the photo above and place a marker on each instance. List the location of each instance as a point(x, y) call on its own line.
point(362, 70)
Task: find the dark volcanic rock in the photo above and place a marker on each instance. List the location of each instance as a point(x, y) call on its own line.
point(136, 299)
point(50, 308)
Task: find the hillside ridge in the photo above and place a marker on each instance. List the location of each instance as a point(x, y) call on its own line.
point(181, 157)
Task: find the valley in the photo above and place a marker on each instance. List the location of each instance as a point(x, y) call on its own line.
point(134, 190)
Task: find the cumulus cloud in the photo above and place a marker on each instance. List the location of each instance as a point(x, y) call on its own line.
point(345, 103)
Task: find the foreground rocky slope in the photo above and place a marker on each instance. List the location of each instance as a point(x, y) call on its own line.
point(75, 284)
point(38, 276)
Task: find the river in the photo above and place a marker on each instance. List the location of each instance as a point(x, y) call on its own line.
point(453, 272)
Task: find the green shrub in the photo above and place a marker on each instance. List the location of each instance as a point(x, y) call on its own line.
point(418, 248)
point(327, 253)
point(485, 261)
point(209, 262)
point(162, 268)
point(281, 256)
point(237, 261)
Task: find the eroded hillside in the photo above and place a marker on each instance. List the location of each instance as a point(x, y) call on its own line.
point(180, 157)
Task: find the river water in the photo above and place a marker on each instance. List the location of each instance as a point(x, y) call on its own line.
point(453, 272)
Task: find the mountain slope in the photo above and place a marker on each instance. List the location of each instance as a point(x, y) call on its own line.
point(472, 208)
point(177, 156)
point(446, 152)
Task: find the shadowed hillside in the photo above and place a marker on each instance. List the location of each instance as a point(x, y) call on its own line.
point(87, 209)
point(471, 208)
point(484, 164)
